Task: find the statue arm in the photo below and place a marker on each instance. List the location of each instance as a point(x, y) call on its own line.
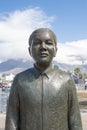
point(74, 117)
point(12, 115)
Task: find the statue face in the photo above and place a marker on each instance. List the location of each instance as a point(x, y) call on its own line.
point(43, 47)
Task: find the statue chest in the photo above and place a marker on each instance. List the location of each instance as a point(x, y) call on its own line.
point(44, 91)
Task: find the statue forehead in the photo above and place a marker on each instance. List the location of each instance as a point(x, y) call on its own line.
point(42, 32)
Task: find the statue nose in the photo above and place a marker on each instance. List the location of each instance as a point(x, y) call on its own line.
point(43, 45)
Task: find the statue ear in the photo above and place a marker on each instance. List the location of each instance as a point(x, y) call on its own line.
point(55, 51)
point(29, 49)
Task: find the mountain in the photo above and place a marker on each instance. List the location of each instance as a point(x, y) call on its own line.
point(16, 66)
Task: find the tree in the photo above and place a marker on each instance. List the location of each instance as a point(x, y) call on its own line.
point(77, 71)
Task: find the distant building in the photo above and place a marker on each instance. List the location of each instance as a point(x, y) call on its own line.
point(9, 77)
point(6, 79)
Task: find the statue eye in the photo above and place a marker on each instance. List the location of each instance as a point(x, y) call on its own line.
point(49, 43)
point(37, 42)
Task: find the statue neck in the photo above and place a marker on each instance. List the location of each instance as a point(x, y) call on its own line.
point(42, 67)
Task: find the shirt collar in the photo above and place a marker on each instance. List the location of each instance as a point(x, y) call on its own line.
point(47, 72)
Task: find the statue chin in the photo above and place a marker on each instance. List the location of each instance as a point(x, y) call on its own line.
point(42, 65)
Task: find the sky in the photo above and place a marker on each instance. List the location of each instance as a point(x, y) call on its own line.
point(67, 18)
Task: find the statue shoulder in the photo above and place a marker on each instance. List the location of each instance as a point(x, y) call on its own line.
point(25, 74)
point(64, 74)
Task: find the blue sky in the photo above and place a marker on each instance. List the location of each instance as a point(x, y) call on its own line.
point(70, 15)
point(67, 18)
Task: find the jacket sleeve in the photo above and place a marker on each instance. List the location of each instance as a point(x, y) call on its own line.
point(74, 118)
point(13, 111)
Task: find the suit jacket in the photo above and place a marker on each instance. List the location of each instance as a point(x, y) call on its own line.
point(43, 101)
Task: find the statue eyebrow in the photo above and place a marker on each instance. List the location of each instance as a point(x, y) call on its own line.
point(49, 40)
point(36, 39)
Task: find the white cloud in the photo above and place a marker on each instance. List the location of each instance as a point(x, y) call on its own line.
point(72, 52)
point(15, 28)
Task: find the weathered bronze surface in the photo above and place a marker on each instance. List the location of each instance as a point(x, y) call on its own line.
point(43, 97)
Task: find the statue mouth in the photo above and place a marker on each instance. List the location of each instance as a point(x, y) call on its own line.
point(43, 54)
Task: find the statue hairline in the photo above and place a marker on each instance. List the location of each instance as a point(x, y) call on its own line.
point(47, 29)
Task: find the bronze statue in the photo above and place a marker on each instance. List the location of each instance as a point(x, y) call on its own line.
point(43, 97)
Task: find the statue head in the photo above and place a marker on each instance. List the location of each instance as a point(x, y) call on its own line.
point(43, 46)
